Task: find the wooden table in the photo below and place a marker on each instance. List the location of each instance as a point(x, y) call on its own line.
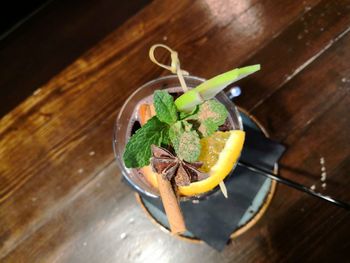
point(61, 194)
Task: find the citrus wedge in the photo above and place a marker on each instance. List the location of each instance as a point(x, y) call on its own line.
point(219, 154)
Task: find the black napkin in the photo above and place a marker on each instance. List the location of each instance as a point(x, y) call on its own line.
point(214, 219)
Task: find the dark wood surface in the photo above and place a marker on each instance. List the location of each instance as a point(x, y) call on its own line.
point(51, 39)
point(61, 194)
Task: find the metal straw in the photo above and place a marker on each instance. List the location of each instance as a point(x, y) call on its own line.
point(296, 185)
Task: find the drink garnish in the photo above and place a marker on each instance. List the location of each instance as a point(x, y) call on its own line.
point(165, 107)
point(175, 64)
point(210, 88)
point(185, 141)
point(168, 130)
point(209, 116)
point(188, 102)
point(145, 112)
point(172, 167)
point(138, 149)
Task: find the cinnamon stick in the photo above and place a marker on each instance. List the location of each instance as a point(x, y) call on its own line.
point(171, 205)
point(167, 194)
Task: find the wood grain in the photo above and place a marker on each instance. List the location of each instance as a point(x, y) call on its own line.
point(52, 39)
point(61, 195)
point(295, 48)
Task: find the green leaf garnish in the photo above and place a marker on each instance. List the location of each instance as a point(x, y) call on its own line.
point(188, 115)
point(165, 107)
point(207, 128)
point(213, 86)
point(185, 141)
point(188, 101)
point(138, 149)
point(165, 136)
point(208, 89)
point(213, 110)
point(210, 115)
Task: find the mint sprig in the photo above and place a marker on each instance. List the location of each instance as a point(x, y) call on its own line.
point(211, 115)
point(138, 149)
point(208, 117)
point(185, 141)
point(165, 107)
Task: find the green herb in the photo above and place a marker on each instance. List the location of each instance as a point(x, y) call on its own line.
point(175, 132)
point(165, 107)
point(211, 114)
point(207, 117)
point(165, 137)
point(138, 149)
point(185, 141)
point(188, 115)
point(207, 128)
point(210, 88)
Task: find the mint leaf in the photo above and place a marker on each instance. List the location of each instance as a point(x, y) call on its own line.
point(165, 107)
point(138, 149)
point(188, 115)
point(165, 137)
point(207, 128)
point(185, 141)
point(175, 132)
point(214, 110)
point(211, 114)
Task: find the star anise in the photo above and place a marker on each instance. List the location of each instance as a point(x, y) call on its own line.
point(172, 168)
